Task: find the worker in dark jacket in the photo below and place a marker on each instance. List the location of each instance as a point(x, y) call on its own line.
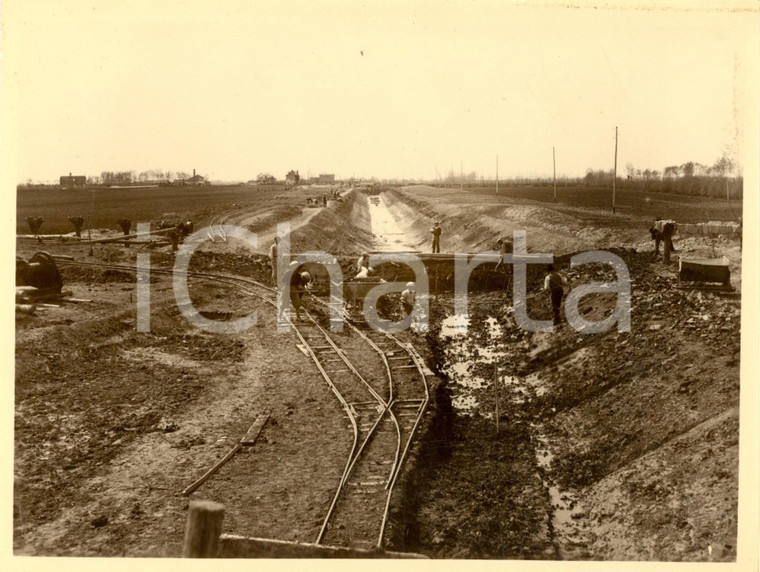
point(436, 232)
point(298, 284)
point(555, 283)
point(657, 237)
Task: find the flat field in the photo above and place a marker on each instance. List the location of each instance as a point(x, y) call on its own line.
point(101, 208)
point(630, 202)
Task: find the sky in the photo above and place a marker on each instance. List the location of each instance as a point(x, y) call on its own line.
point(386, 89)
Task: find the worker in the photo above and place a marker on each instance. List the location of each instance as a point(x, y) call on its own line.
point(408, 297)
point(657, 237)
point(663, 231)
point(668, 229)
point(555, 283)
point(436, 232)
point(504, 246)
point(273, 258)
point(298, 284)
point(363, 268)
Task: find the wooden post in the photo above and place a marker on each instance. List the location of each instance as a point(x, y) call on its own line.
point(614, 173)
point(496, 388)
point(554, 166)
point(204, 526)
point(497, 174)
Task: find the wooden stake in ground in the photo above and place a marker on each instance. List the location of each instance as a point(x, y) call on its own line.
point(497, 174)
point(554, 166)
point(204, 525)
point(496, 388)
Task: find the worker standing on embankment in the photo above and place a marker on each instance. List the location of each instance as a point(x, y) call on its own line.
point(436, 232)
point(555, 283)
point(273, 259)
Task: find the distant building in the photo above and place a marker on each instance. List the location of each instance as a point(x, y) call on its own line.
point(292, 178)
point(73, 182)
point(325, 179)
point(195, 180)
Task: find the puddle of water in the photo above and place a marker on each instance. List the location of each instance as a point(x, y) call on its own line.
point(566, 510)
point(387, 234)
point(469, 364)
point(466, 358)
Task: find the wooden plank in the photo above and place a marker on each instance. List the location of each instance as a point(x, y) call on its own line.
point(233, 546)
point(212, 470)
point(250, 437)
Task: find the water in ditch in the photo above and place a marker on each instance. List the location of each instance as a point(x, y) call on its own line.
point(386, 233)
point(474, 362)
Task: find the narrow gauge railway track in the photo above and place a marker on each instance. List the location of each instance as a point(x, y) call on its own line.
point(384, 414)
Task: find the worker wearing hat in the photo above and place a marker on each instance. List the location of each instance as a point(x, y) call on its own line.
point(408, 297)
point(436, 231)
point(298, 284)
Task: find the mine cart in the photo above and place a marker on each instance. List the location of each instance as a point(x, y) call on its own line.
point(355, 291)
point(705, 270)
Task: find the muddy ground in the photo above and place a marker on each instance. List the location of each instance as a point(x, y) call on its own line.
point(608, 446)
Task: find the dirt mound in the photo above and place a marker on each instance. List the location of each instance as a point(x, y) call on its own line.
point(634, 434)
point(339, 229)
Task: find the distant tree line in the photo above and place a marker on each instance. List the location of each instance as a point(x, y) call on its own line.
point(691, 178)
point(129, 177)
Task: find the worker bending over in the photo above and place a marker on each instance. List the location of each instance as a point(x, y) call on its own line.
point(408, 297)
point(298, 284)
point(363, 269)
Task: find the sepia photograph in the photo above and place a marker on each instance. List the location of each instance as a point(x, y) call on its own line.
point(407, 280)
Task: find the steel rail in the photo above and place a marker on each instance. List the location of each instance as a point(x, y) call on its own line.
point(387, 406)
point(420, 414)
point(233, 281)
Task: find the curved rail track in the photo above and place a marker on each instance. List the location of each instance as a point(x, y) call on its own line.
point(384, 398)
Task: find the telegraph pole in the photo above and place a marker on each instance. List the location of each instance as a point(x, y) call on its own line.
point(461, 174)
point(614, 173)
point(497, 174)
point(554, 165)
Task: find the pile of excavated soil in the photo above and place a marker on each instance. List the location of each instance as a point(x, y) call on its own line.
point(634, 435)
point(473, 222)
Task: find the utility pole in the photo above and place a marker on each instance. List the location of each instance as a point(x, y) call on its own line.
point(461, 174)
point(554, 166)
point(614, 172)
point(497, 174)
